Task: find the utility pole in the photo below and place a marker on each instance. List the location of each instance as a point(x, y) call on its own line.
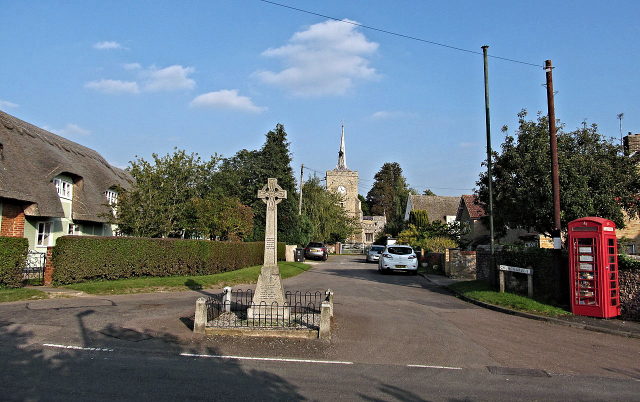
point(555, 177)
point(301, 177)
point(492, 262)
point(620, 116)
point(560, 272)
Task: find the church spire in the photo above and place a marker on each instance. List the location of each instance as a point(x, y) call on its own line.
point(342, 156)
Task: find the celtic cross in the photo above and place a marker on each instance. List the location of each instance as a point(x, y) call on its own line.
point(271, 194)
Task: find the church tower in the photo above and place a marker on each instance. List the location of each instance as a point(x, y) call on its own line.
point(345, 182)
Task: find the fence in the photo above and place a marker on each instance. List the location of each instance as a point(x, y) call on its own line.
point(300, 310)
point(310, 311)
point(33, 270)
point(353, 248)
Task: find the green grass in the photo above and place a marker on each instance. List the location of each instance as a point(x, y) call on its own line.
point(9, 295)
point(482, 291)
point(176, 283)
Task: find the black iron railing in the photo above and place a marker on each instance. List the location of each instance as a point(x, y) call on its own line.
point(33, 269)
point(301, 310)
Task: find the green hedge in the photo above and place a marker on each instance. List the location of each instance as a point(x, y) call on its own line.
point(80, 258)
point(541, 260)
point(13, 253)
point(626, 262)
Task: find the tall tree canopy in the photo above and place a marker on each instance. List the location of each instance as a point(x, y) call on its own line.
point(329, 221)
point(595, 178)
point(388, 196)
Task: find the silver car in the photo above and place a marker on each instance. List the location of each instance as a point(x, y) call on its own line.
point(398, 258)
point(374, 253)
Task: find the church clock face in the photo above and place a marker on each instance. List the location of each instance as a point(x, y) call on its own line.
point(342, 190)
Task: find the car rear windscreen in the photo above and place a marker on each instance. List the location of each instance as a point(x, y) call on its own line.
point(400, 250)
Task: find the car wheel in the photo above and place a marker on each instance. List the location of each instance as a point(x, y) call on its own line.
point(414, 273)
point(325, 257)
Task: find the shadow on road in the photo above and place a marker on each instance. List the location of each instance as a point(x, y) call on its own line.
point(98, 370)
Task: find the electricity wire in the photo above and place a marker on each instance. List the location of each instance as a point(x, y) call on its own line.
point(399, 34)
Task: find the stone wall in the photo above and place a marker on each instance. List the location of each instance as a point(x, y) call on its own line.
point(460, 264)
point(629, 282)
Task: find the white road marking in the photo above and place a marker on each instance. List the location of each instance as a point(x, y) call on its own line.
point(270, 359)
point(52, 345)
point(434, 367)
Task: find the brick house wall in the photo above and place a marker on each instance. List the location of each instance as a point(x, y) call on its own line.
point(12, 224)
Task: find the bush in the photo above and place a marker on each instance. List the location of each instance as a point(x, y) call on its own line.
point(626, 262)
point(541, 260)
point(13, 253)
point(80, 258)
point(437, 244)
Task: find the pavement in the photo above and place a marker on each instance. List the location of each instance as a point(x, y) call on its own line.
point(613, 326)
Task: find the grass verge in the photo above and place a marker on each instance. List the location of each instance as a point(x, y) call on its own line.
point(176, 283)
point(482, 291)
point(9, 295)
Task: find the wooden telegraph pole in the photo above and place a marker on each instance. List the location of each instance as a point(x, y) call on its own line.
point(492, 261)
point(301, 177)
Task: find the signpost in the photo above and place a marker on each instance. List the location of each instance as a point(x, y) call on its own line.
point(527, 271)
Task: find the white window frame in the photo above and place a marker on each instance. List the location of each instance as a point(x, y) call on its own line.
point(112, 198)
point(64, 188)
point(44, 237)
point(74, 229)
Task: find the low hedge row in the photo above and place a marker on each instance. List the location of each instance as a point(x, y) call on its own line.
point(13, 252)
point(80, 258)
point(540, 259)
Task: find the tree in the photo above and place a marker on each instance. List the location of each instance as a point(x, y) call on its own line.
point(388, 196)
point(419, 218)
point(366, 211)
point(329, 221)
point(595, 178)
point(428, 192)
point(242, 175)
point(158, 204)
point(223, 218)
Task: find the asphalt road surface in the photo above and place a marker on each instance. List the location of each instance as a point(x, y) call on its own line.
point(394, 337)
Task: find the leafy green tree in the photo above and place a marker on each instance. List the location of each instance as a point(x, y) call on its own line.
point(158, 204)
point(366, 211)
point(388, 196)
point(329, 221)
point(595, 178)
point(419, 218)
point(428, 192)
point(223, 218)
point(242, 175)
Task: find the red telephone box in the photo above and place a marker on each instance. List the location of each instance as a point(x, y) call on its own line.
point(593, 262)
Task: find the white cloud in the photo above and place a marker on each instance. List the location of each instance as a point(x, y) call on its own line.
point(170, 78)
point(226, 99)
point(114, 86)
point(390, 114)
point(467, 145)
point(325, 59)
point(107, 45)
point(70, 130)
point(6, 104)
point(132, 66)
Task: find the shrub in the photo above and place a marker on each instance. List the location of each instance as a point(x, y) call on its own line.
point(13, 253)
point(437, 244)
point(80, 258)
point(541, 260)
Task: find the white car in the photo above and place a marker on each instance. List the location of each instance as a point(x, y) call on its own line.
point(398, 258)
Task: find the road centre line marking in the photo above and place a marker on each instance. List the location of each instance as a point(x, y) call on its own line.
point(52, 345)
point(434, 367)
point(271, 359)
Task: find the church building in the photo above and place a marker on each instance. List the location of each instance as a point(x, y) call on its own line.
point(344, 181)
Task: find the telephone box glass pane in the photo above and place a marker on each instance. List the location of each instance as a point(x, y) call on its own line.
point(614, 302)
point(612, 276)
point(612, 259)
point(611, 242)
point(614, 285)
point(612, 267)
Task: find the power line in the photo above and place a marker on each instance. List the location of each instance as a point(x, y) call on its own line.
point(400, 35)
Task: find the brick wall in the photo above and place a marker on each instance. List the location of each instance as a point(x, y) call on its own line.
point(12, 220)
point(48, 267)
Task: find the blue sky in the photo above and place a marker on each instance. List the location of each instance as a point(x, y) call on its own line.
point(134, 78)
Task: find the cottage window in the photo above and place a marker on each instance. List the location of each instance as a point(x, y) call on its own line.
point(64, 188)
point(73, 229)
point(368, 237)
point(112, 198)
point(44, 237)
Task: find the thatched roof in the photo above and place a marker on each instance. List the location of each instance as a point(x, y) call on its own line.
point(30, 159)
point(437, 207)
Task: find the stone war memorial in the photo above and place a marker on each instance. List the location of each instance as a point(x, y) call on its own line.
point(269, 310)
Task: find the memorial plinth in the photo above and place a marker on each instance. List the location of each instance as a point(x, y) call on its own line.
point(268, 300)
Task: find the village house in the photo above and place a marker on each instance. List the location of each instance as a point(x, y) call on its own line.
point(439, 208)
point(50, 186)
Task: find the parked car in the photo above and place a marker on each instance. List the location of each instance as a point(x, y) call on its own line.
point(374, 253)
point(316, 250)
point(398, 258)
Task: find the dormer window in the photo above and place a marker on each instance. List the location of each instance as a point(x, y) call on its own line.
point(64, 188)
point(112, 198)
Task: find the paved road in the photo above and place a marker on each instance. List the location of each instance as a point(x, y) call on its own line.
point(395, 337)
